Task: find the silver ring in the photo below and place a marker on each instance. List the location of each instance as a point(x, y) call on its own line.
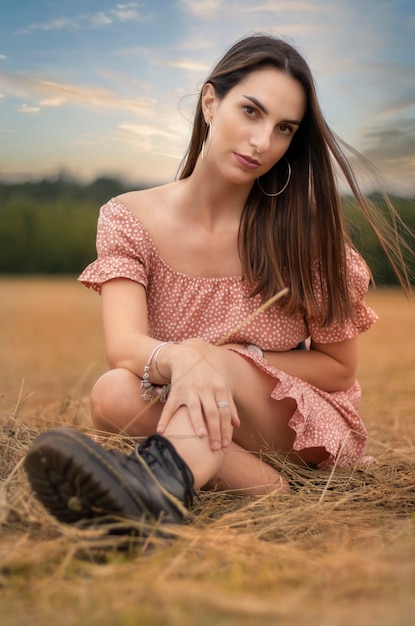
point(221, 405)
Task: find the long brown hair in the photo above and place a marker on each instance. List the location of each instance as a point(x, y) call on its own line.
point(281, 239)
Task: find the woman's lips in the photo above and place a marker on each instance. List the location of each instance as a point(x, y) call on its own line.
point(247, 161)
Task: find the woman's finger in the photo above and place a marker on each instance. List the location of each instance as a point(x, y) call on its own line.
point(225, 414)
point(215, 413)
point(195, 412)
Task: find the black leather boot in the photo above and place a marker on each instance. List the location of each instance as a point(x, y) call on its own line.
point(77, 480)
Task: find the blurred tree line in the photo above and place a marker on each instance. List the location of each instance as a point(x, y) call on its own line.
point(49, 227)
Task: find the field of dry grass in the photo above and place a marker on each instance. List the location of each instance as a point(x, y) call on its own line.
point(339, 550)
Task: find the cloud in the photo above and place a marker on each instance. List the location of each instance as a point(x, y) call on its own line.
point(392, 149)
point(3, 57)
point(280, 7)
point(397, 87)
point(62, 23)
point(239, 11)
point(185, 64)
point(315, 24)
point(121, 13)
point(127, 12)
point(201, 8)
point(99, 19)
point(391, 142)
point(168, 138)
point(25, 108)
point(52, 102)
point(403, 105)
point(50, 93)
point(166, 58)
point(147, 131)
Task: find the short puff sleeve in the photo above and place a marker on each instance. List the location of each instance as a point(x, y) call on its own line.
point(363, 316)
point(122, 248)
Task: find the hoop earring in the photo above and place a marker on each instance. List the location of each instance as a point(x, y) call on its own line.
point(206, 141)
point(272, 195)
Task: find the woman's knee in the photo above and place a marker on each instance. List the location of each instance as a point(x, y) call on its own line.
point(108, 388)
point(116, 403)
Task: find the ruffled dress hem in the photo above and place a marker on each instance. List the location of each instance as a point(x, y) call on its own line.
point(341, 431)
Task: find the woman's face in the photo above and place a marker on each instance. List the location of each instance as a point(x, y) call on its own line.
point(253, 125)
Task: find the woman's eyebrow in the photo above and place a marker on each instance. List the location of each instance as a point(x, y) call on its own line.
point(257, 103)
point(265, 110)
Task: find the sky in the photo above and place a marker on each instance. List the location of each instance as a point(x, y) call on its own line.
point(99, 88)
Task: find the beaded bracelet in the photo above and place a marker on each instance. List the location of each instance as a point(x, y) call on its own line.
point(154, 391)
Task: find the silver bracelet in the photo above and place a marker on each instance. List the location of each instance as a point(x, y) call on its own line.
point(154, 391)
point(156, 358)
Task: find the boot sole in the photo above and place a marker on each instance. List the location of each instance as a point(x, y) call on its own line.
point(74, 481)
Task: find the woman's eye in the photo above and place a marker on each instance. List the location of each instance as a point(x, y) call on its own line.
point(249, 110)
point(286, 130)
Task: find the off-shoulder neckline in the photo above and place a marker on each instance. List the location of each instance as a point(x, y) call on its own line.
point(150, 240)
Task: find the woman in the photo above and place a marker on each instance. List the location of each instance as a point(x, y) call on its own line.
point(208, 285)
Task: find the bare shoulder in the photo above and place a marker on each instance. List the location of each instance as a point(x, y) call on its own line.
point(151, 206)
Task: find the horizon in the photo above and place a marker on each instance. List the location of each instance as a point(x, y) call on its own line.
point(71, 179)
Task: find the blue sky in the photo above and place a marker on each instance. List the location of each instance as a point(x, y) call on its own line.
point(97, 87)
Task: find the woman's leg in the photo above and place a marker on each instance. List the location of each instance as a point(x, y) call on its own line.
point(245, 473)
point(117, 407)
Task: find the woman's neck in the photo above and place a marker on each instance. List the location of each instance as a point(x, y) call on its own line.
point(212, 202)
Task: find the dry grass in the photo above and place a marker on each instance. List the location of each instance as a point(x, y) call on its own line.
point(341, 548)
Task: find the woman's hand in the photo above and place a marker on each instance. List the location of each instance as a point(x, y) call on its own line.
point(199, 382)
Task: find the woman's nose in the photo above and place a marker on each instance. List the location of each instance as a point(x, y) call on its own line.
point(261, 139)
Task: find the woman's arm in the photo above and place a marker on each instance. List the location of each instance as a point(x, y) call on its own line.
point(197, 370)
point(328, 366)
point(125, 324)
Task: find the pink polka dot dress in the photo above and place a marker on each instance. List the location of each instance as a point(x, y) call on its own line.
point(181, 306)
